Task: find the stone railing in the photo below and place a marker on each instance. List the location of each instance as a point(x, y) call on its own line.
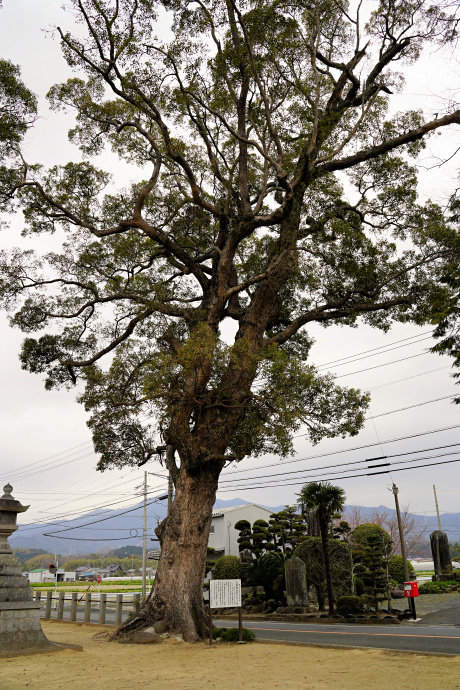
point(75, 607)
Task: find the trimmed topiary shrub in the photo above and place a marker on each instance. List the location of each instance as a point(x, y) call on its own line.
point(362, 533)
point(232, 634)
point(396, 568)
point(227, 568)
point(350, 604)
point(359, 586)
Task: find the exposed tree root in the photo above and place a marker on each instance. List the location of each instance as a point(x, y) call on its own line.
point(133, 624)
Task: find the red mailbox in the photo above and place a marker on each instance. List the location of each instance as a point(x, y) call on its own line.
point(410, 589)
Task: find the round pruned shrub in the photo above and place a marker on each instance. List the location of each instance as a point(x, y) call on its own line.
point(396, 568)
point(369, 530)
point(232, 634)
point(349, 604)
point(227, 568)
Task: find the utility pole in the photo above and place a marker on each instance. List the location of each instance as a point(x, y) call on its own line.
point(437, 508)
point(144, 540)
point(403, 547)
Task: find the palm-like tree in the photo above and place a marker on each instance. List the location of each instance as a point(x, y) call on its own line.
point(326, 499)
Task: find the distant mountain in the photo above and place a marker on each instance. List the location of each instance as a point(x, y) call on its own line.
point(450, 522)
point(100, 530)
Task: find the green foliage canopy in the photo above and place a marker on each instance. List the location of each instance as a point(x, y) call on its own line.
point(17, 113)
point(242, 126)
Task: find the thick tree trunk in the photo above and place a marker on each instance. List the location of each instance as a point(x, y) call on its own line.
point(177, 595)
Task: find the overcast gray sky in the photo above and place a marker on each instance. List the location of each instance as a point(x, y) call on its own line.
point(49, 429)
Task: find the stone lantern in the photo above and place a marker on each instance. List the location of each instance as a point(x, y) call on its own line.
point(20, 629)
point(9, 509)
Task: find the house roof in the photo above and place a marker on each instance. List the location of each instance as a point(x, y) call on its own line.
point(223, 511)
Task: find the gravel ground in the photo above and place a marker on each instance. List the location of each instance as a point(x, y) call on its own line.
point(436, 609)
point(430, 603)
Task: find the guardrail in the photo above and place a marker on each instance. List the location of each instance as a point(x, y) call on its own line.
point(88, 603)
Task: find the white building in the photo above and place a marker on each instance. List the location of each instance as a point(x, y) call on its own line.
point(44, 575)
point(222, 534)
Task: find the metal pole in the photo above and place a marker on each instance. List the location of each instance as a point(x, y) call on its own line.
point(437, 508)
point(403, 547)
point(144, 539)
point(240, 624)
point(210, 621)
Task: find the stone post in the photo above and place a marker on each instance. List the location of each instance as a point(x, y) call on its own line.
point(102, 608)
point(20, 629)
point(87, 616)
point(73, 607)
point(118, 609)
point(296, 587)
point(441, 556)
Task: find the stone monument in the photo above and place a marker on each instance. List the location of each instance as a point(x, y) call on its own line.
point(296, 587)
point(441, 556)
point(20, 628)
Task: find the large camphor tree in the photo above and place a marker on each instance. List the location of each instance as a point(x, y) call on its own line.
point(273, 191)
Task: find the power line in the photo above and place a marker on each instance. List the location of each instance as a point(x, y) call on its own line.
point(407, 378)
point(346, 450)
point(49, 457)
point(379, 366)
point(410, 407)
point(110, 517)
point(351, 476)
point(57, 517)
point(320, 469)
point(360, 355)
point(53, 462)
point(354, 462)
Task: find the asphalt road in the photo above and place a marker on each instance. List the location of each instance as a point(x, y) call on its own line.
point(414, 637)
point(440, 639)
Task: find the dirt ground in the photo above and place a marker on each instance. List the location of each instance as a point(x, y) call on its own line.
point(180, 666)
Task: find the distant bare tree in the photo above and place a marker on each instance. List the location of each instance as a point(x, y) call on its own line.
point(414, 527)
point(354, 515)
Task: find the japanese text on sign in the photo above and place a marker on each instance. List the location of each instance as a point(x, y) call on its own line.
point(224, 593)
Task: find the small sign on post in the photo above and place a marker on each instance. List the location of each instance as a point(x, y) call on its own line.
point(52, 568)
point(225, 594)
point(98, 578)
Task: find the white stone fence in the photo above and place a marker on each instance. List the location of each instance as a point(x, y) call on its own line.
point(121, 605)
